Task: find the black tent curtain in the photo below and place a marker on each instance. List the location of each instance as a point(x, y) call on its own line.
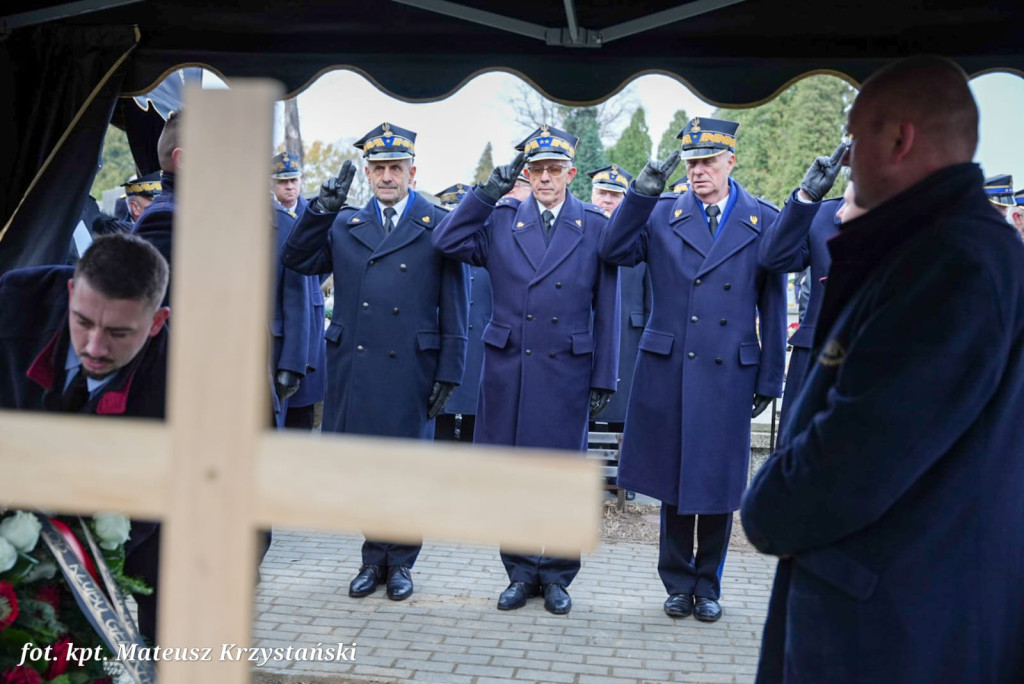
point(62, 83)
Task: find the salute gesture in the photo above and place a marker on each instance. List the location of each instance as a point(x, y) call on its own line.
point(822, 174)
point(503, 178)
point(334, 191)
point(654, 176)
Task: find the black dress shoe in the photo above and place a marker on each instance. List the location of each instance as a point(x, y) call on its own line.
point(556, 599)
point(679, 605)
point(515, 596)
point(706, 610)
point(399, 583)
point(365, 583)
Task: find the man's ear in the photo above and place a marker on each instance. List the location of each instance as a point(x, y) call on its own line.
point(159, 318)
point(177, 156)
point(572, 173)
point(904, 141)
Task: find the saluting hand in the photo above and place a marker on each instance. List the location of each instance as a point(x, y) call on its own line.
point(654, 176)
point(822, 174)
point(503, 178)
point(334, 191)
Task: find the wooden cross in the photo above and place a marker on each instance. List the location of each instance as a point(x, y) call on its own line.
point(214, 473)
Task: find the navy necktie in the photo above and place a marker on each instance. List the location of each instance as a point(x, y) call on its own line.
point(549, 220)
point(76, 395)
point(713, 212)
point(389, 219)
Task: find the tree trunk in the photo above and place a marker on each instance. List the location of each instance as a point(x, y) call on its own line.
point(292, 135)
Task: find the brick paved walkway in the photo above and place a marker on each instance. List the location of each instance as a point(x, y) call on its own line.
point(451, 632)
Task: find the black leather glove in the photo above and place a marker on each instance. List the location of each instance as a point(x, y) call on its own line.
point(599, 399)
point(503, 178)
point(761, 402)
point(822, 174)
point(439, 396)
point(286, 383)
point(334, 191)
point(654, 176)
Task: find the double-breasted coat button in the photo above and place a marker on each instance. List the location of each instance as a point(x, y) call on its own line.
point(360, 348)
point(529, 352)
point(691, 355)
point(727, 286)
point(529, 317)
point(366, 305)
point(722, 322)
point(392, 354)
point(694, 319)
point(470, 326)
point(395, 311)
point(552, 354)
point(402, 267)
point(558, 286)
point(373, 261)
point(554, 319)
point(718, 361)
point(696, 282)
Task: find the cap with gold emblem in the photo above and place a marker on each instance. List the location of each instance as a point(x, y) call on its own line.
point(1000, 190)
point(611, 178)
point(1019, 197)
point(679, 185)
point(548, 142)
point(451, 196)
point(284, 166)
point(387, 142)
point(704, 138)
point(147, 186)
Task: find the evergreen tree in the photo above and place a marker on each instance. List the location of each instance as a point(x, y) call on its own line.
point(669, 142)
point(485, 165)
point(633, 148)
point(776, 142)
point(583, 124)
point(118, 163)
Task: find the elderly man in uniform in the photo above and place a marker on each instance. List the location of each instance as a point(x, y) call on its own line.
point(297, 326)
point(894, 497)
point(551, 351)
point(702, 370)
point(396, 346)
point(457, 419)
point(140, 192)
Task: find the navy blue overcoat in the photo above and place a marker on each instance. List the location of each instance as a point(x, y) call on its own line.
point(895, 493)
point(794, 241)
point(687, 434)
point(554, 330)
point(297, 323)
point(400, 310)
point(464, 398)
point(635, 305)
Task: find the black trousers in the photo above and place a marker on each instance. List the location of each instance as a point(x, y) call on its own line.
point(681, 571)
point(540, 571)
point(299, 417)
point(389, 555)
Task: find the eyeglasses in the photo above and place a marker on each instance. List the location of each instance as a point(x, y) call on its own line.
point(554, 170)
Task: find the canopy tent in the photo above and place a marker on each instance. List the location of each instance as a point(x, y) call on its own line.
point(66, 63)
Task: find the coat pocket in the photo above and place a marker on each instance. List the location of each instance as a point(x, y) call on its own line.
point(496, 335)
point(428, 339)
point(657, 342)
point(636, 319)
point(333, 333)
point(583, 343)
point(750, 354)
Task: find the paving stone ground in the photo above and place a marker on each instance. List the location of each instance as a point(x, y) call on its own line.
point(450, 632)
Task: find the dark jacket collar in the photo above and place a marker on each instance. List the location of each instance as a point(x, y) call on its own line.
point(864, 244)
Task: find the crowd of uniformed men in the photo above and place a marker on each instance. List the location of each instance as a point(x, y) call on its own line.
point(514, 314)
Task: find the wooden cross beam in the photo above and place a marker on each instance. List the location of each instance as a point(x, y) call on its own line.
point(214, 474)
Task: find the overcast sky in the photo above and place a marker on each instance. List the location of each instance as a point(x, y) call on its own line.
point(451, 134)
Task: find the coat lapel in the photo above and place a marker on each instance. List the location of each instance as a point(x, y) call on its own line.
point(740, 229)
point(528, 233)
point(568, 234)
point(686, 222)
point(410, 225)
point(365, 227)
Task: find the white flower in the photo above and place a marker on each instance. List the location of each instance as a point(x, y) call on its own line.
point(21, 530)
point(112, 529)
point(8, 555)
